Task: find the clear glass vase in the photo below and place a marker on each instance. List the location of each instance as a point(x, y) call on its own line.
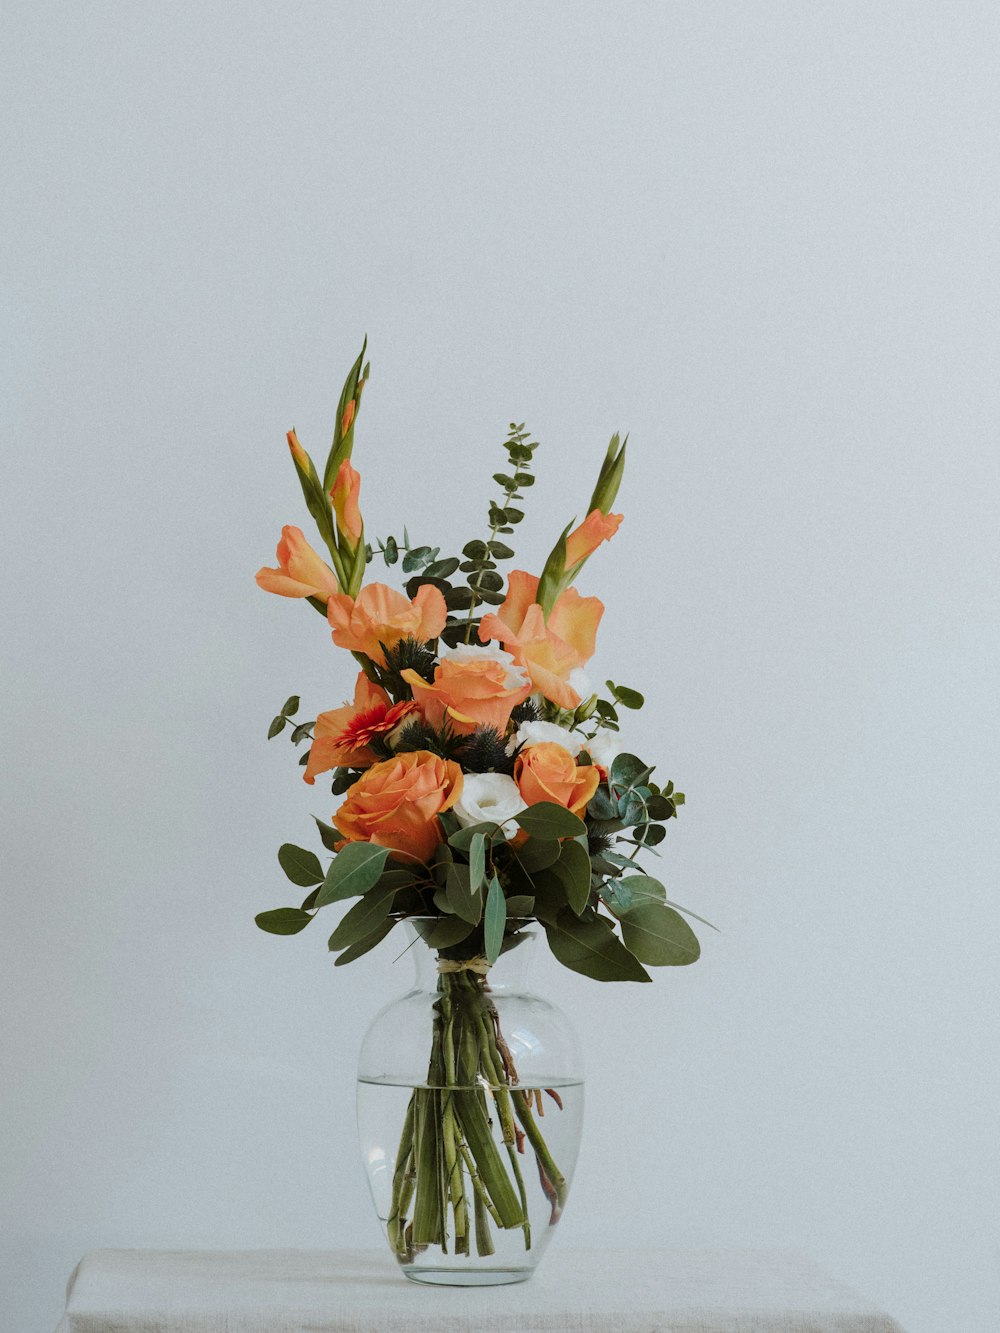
point(470, 1109)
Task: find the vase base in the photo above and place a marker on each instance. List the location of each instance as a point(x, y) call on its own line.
point(466, 1277)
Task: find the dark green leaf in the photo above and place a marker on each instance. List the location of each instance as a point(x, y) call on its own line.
point(363, 945)
point(459, 599)
point(328, 834)
point(416, 559)
point(627, 770)
point(508, 483)
point(462, 840)
point(283, 920)
point(291, 706)
point(500, 551)
point(363, 919)
point(475, 550)
point(573, 870)
point(442, 569)
point(606, 710)
point(301, 732)
point(513, 515)
point(277, 726)
point(391, 551)
point(520, 905)
point(658, 935)
point(524, 479)
point(626, 697)
point(309, 902)
point(601, 806)
point(445, 931)
point(548, 820)
point(489, 581)
point(494, 920)
point(477, 862)
point(590, 946)
point(353, 871)
point(660, 807)
point(301, 866)
point(631, 891)
point(650, 835)
point(538, 853)
point(463, 901)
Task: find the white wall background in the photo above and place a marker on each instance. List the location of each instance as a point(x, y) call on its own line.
point(761, 237)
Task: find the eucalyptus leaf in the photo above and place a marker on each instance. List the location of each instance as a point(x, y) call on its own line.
point(658, 935)
point(446, 931)
point(520, 905)
point(590, 946)
point(462, 899)
point(363, 919)
point(548, 820)
point(291, 706)
point(573, 871)
point(363, 945)
point(628, 770)
point(283, 920)
point(301, 866)
point(477, 861)
point(538, 853)
point(328, 835)
point(277, 726)
point(442, 569)
point(463, 838)
point(494, 920)
point(353, 871)
point(601, 805)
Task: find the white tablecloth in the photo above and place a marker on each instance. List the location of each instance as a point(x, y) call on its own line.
point(348, 1291)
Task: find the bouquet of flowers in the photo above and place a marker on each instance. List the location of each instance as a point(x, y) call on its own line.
point(483, 788)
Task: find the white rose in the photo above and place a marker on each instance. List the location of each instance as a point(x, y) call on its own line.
point(489, 798)
point(604, 747)
point(492, 652)
point(537, 733)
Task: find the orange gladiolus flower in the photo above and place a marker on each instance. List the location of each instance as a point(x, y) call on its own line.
point(345, 492)
point(548, 772)
point(470, 693)
point(344, 735)
point(300, 572)
point(584, 540)
point(380, 615)
point(550, 650)
point(397, 802)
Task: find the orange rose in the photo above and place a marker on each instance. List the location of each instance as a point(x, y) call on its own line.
point(548, 650)
point(584, 540)
point(344, 735)
point(471, 689)
point(397, 802)
point(301, 573)
point(380, 615)
point(548, 772)
point(344, 495)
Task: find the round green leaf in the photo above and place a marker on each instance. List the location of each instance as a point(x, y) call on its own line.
point(353, 871)
point(548, 820)
point(658, 935)
point(283, 921)
point(301, 866)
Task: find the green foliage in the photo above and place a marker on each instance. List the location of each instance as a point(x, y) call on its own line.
point(624, 696)
point(278, 723)
point(300, 865)
point(352, 872)
point(589, 945)
point(494, 920)
point(477, 862)
point(656, 934)
point(364, 944)
point(283, 920)
point(328, 834)
point(548, 820)
point(364, 918)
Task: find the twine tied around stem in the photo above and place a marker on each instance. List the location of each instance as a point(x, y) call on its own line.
point(478, 965)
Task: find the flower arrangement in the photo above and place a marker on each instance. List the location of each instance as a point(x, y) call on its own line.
point(483, 788)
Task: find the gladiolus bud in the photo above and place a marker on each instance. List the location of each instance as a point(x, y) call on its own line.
point(344, 495)
point(298, 453)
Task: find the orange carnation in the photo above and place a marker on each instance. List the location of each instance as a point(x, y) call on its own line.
point(470, 692)
point(548, 772)
point(548, 650)
point(300, 572)
point(380, 615)
point(397, 802)
point(344, 735)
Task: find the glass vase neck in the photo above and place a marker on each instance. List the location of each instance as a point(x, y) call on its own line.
point(509, 973)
